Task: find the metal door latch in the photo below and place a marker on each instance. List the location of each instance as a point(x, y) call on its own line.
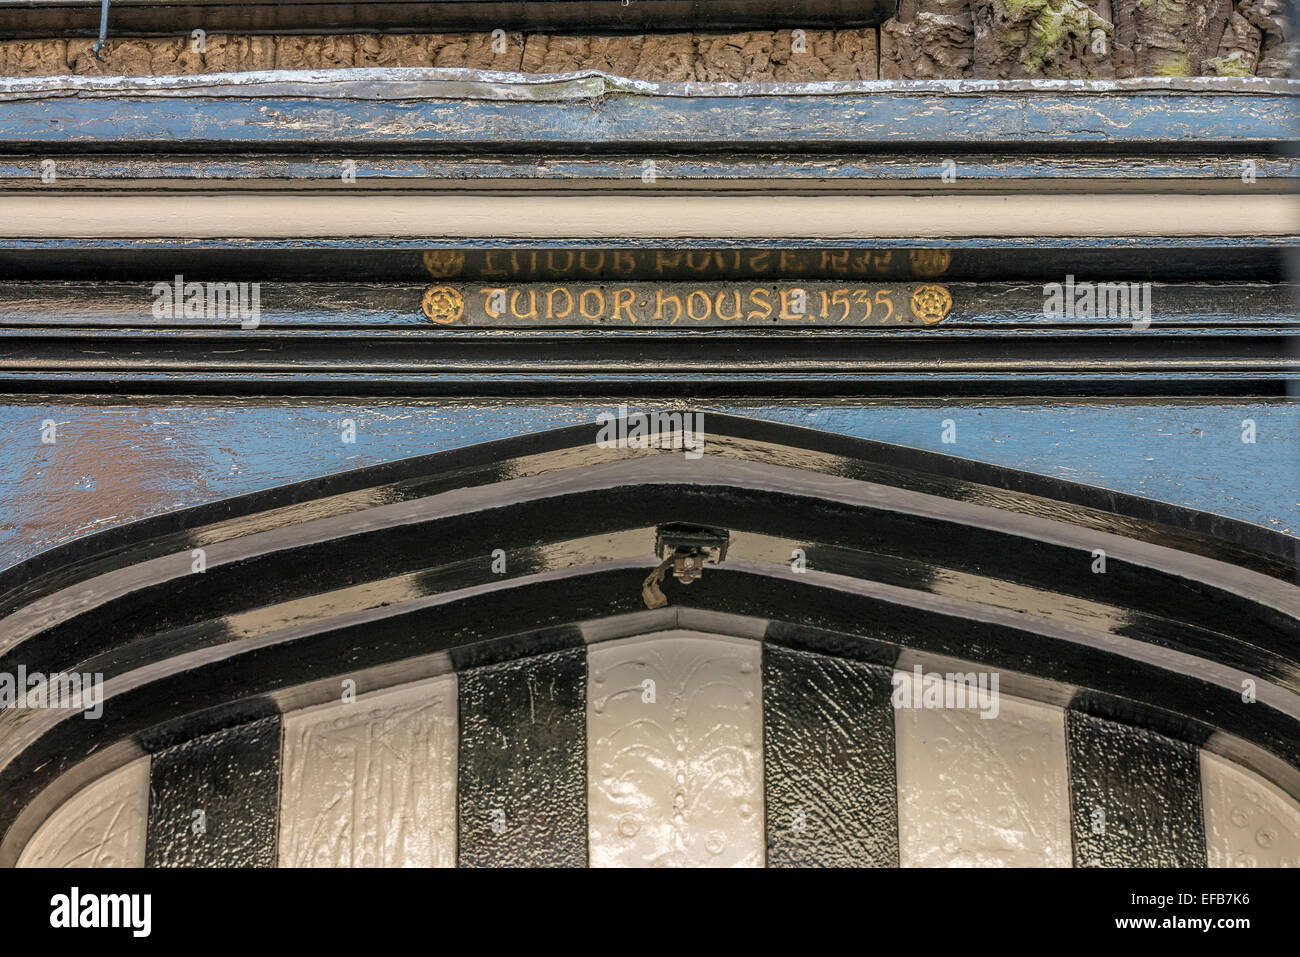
point(685, 549)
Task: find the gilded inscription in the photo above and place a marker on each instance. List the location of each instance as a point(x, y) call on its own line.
point(687, 305)
point(444, 263)
point(860, 265)
point(931, 304)
point(443, 305)
point(930, 262)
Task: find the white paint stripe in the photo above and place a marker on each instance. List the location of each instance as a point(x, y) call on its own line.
point(421, 83)
point(102, 825)
point(36, 722)
point(372, 782)
point(675, 767)
point(1248, 821)
point(611, 216)
point(982, 792)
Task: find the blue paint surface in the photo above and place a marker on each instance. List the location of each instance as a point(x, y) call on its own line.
point(840, 119)
point(114, 463)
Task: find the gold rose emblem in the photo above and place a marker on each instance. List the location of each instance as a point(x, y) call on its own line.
point(443, 305)
point(931, 304)
point(930, 262)
point(444, 263)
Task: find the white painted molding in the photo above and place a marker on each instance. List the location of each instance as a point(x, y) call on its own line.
point(472, 215)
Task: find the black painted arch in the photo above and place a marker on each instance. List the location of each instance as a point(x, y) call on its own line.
point(579, 554)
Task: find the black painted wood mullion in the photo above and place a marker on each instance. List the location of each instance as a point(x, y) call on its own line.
point(522, 775)
point(1135, 796)
point(828, 761)
point(214, 801)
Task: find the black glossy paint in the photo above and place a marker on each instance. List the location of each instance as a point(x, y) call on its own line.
point(1225, 362)
point(487, 462)
point(151, 18)
point(503, 615)
point(522, 779)
point(233, 777)
point(1135, 796)
point(510, 613)
point(905, 550)
point(828, 761)
point(403, 261)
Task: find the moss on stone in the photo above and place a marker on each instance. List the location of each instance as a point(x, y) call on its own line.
point(1230, 65)
point(1177, 65)
point(1051, 25)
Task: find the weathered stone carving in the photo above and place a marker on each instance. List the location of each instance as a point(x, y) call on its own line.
point(1239, 48)
point(1171, 37)
point(1015, 39)
point(1278, 50)
point(929, 39)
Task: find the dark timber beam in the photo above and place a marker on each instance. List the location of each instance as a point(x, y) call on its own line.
point(39, 18)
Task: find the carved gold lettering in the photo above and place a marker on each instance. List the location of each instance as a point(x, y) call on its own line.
point(532, 305)
point(765, 303)
point(623, 299)
point(786, 295)
point(550, 304)
point(717, 305)
point(589, 266)
point(840, 297)
point(690, 302)
point(888, 301)
point(863, 296)
point(660, 299)
point(582, 304)
point(624, 261)
point(487, 301)
point(489, 269)
point(669, 302)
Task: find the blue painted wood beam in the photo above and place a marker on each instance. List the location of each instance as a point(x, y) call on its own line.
point(591, 112)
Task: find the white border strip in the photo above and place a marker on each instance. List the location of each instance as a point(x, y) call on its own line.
point(607, 215)
point(385, 83)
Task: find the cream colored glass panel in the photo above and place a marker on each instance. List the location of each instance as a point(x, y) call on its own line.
point(982, 792)
point(372, 783)
point(1248, 821)
point(102, 825)
point(677, 780)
